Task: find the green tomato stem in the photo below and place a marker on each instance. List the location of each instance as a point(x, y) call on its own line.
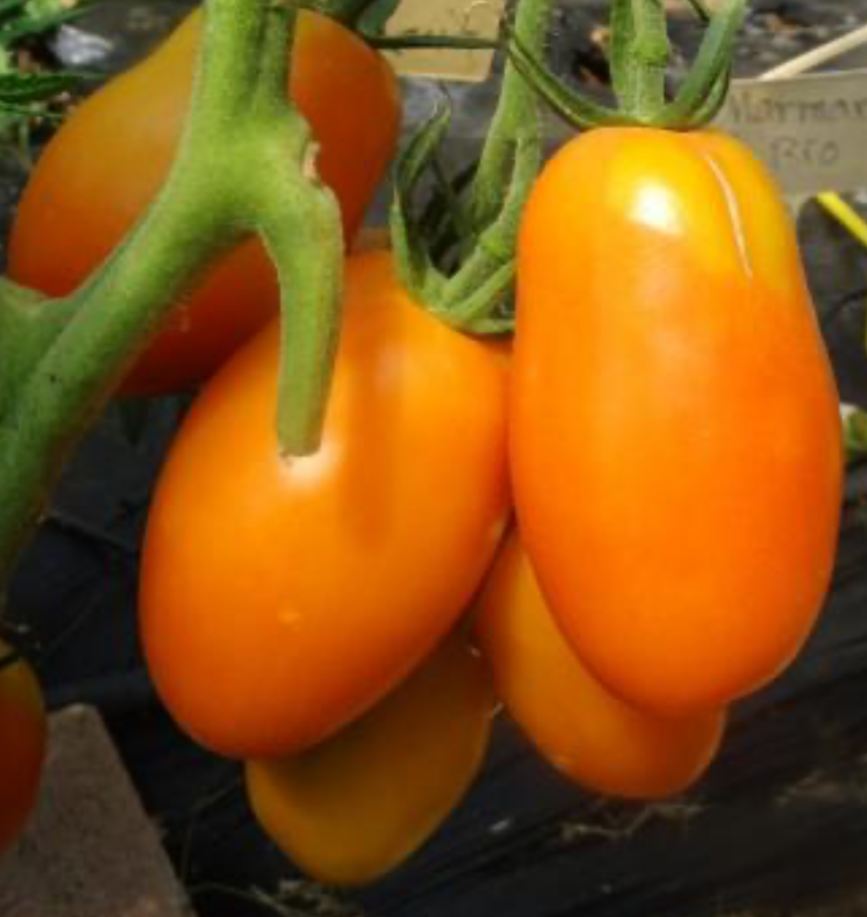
point(471, 293)
point(516, 121)
point(639, 56)
point(245, 166)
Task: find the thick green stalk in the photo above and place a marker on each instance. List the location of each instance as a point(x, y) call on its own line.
point(516, 119)
point(244, 166)
point(310, 281)
point(639, 57)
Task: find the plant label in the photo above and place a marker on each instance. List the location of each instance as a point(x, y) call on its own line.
point(478, 19)
point(811, 130)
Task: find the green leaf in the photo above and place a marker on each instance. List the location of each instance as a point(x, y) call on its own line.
point(21, 88)
point(11, 6)
point(36, 24)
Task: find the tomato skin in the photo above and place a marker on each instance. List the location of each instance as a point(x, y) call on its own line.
point(675, 437)
point(280, 599)
point(577, 725)
point(23, 741)
point(354, 808)
point(80, 203)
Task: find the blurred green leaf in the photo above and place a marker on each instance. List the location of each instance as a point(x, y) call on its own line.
point(21, 19)
point(28, 84)
point(21, 88)
point(855, 434)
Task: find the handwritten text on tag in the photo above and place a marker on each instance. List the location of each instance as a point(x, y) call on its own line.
point(811, 130)
point(479, 19)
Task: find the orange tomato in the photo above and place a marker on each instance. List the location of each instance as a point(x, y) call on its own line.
point(354, 808)
point(110, 158)
point(282, 598)
point(676, 444)
point(577, 725)
point(22, 745)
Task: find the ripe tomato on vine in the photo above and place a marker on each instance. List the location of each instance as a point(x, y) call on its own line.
point(110, 158)
point(314, 585)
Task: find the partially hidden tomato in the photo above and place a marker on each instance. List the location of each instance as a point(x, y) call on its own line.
point(22, 745)
point(675, 438)
point(354, 808)
point(110, 158)
point(282, 598)
point(579, 727)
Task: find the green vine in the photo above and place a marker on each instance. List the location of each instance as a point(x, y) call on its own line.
point(639, 55)
point(484, 212)
point(245, 166)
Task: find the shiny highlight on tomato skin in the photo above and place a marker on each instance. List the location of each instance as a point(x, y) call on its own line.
point(675, 437)
point(109, 159)
point(578, 726)
point(22, 746)
point(281, 599)
point(351, 810)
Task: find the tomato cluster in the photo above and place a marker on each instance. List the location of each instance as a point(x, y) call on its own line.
point(676, 469)
point(666, 428)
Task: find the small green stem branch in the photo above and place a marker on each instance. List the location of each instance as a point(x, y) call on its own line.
point(638, 57)
point(471, 296)
point(516, 120)
point(244, 167)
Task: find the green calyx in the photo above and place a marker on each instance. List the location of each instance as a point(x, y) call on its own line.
point(455, 252)
point(639, 57)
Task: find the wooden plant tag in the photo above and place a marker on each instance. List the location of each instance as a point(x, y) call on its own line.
point(811, 130)
point(475, 18)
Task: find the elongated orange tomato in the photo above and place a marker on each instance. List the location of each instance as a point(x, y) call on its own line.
point(109, 159)
point(22, 745)
point(675, 441)
point(578, 726)
point(354, 808)
point(280, 599)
